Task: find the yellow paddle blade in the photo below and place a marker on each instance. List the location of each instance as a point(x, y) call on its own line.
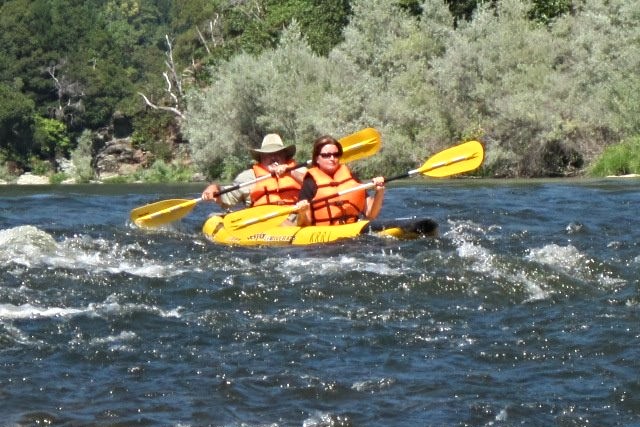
point(359, 145)
point(461, 158)
point(252, 220)
point(162, 212)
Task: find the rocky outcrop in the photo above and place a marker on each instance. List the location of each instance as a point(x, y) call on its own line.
point(118, 157)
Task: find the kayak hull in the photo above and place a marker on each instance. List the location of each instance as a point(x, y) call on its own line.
point(213, 229)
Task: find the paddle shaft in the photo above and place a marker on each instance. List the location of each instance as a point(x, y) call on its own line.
point(413, 172)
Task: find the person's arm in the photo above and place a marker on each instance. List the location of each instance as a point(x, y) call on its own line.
point(299, 174)
point(235, 197)
point(374, 203)
point(307, 193)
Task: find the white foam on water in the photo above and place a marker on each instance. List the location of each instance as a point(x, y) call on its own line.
point(564, 258)
point(29, 246)
point(468, 236)
point(17, 335)
point(337, 264)
point(110, 307)
point(371, 386)
point(24, 245)
point(118, 342)
point(122, 336)
point(28, 311)
point(570, 261)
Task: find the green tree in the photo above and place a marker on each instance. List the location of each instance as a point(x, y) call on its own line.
point(51, 138)
point(16, 124)
point(546, 11)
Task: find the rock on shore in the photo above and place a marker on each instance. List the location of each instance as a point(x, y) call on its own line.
point(30, 179)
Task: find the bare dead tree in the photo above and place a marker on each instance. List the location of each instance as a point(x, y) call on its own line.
point(161, 107)
point(214, 30)
point(172, 69)
point(69, 94)
point(172, 79)
point(51, 70)
point(203, 40)
point(254, 10)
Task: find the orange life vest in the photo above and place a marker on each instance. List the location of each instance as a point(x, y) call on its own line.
point(338, 210)
point(274, 191)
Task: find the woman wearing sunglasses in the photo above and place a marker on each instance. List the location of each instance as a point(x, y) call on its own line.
point(328, 176)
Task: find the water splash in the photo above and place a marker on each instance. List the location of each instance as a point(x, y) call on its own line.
point(29, 246)
point(572, 262)
point(468, 237)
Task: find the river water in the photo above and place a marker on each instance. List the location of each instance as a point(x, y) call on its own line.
point(524, 312)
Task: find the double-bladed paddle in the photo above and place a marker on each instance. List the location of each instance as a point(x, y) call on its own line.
point(461, 158)
point(356, 146)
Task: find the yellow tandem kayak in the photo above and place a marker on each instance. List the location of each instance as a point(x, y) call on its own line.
point(408, 228)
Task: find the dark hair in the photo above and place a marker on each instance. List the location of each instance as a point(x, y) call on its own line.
point(321, 142)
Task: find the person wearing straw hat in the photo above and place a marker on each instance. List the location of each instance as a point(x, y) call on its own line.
point(281, 188)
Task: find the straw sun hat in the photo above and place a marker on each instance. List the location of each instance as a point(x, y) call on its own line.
point(272, 143)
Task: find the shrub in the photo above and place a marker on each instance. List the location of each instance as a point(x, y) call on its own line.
point(58, 177)
point(39, 166)
point(82, 158)
point(165, 173)
point(619, 159)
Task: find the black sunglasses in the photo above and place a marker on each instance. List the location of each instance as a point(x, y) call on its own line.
point(335, 154)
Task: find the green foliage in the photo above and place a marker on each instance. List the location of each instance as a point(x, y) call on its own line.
point(153, 132)
point(51, 138)
point(528, 87)
point(161, 172)
point(390, 54)
point(321, 21)
point(16, 124)
point(619, 159)
point(373, 78)
point(545, 11)
point(252, 96)
point(495, 74)
point(58, 178)
point(545, 98)
point(39, 166)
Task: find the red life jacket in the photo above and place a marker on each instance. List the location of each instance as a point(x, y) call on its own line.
point(338, 210)
point(274, 191)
